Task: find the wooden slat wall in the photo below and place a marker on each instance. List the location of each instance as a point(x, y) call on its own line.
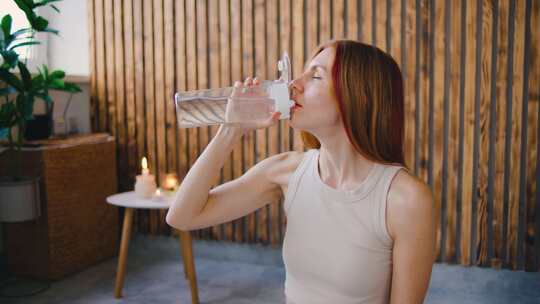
point(472, 79)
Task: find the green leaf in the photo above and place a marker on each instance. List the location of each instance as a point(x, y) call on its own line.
point(23, 44)
point(37, 81)
point(28, 106)
point(72, 88)
point(50, 30)
point(6, 25)
point(8, 116)
point(25, 74)
point(40, 23)
point(11, 79)
point(55, 8)
point(10, 59)
point(58, 74)
point(22, 31)
point(57, 84)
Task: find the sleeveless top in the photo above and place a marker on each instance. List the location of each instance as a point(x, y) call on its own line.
point(337, 249)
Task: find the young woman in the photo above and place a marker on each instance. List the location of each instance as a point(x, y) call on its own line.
point(360, 227)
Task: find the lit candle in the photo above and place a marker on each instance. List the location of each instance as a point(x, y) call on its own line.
point(145, 184)
point(144, 165)
point(169, 182)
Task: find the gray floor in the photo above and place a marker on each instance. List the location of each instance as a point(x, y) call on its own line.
point(232, 273)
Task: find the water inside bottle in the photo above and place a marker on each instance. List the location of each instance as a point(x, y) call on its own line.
point(213, 106)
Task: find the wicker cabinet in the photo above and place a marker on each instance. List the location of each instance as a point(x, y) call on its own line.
point(77, 227)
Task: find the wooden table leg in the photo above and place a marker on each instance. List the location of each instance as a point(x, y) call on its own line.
point(187, 251)
point(124, 244)
point(183, 252)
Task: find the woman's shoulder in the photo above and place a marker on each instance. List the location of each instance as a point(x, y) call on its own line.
point(409, 198)
point(406, 185)
point(282, 165)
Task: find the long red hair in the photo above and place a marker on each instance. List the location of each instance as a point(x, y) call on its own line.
point(368, 87)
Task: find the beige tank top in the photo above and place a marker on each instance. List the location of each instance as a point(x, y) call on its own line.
point(337, 249)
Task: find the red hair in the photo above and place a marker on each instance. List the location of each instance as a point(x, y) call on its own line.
point(368, 87)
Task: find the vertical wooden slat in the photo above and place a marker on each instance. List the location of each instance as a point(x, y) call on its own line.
point(170, 117)
point(150, 97)
point(109, 60)
point(311, 26)
point(508, 132)
point(461, 130)
point(129, 58)
point(214, 73)
point(482, 120)
point(248, 71)
point(380, 24)
point(298, 56)
point(440, 144)
point(468, 128)
point(453, 48)
point(533, 213)
point(181, 80)
point(338, 20)
point(260, 71)
point(492, 135)
point(226, 72)
point(159, 101)
point(393, 31)
point(202, 74)
point(352, 19)
point(101, 73)
point(119, 94)
point(236, 65)
point(169, 124)
point(140, 111)
point(373, 22)
point(285, 45)
point(523, 160)
point(435, 108)
point(501, 88)
point(424, 89)
point(417, 68)
point(191, 72)
point(517, 103)
point(94, 102)
point(325, 21)
point(272, 55)
point(410, 84)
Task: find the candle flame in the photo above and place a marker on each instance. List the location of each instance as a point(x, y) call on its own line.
point(144, 163)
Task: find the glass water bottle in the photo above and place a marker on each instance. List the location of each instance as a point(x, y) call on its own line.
point(214, 106)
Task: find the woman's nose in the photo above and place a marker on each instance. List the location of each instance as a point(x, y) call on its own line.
point(296, 87)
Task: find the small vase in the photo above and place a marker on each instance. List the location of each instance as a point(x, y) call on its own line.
point(39, 128)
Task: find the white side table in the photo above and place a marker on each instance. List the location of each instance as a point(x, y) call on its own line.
point(131, 202)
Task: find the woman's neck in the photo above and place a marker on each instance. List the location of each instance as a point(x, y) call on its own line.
point(340, 165)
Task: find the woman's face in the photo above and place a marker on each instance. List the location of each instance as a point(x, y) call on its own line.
point(313, 92)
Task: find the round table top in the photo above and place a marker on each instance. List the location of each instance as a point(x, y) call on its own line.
point(131, 200)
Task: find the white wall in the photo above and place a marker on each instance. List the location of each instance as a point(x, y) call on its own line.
point(70, 50)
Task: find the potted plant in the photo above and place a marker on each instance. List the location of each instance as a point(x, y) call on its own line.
point(19, 89)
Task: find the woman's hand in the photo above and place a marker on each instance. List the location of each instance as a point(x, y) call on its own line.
point(250, 107)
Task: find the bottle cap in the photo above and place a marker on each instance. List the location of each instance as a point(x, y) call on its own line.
point(280, 89)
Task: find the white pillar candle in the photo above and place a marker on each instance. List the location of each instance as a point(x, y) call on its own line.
point(145, 184)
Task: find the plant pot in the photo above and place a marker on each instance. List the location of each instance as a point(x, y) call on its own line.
point(39, 128)
point(19, 199)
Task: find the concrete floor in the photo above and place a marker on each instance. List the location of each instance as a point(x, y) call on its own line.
point(237, 274)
